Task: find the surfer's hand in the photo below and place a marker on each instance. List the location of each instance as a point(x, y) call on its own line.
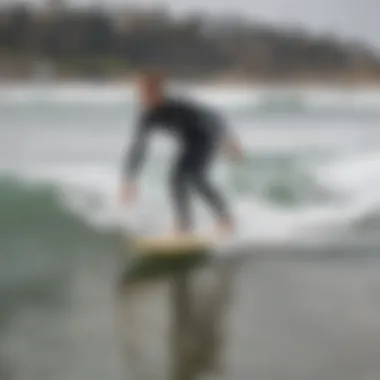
point(234, 150)
point(128, 193)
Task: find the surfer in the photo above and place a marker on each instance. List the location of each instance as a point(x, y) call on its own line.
point(199, 132)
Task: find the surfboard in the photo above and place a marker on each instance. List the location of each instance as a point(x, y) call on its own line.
point(157, 256)
point(173, 245)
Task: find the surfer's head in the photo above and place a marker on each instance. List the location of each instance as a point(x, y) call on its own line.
point(152, 88)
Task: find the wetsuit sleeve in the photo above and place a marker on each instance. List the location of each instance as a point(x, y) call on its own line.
point(216, 126)
point(223, 127)
point(135, 155)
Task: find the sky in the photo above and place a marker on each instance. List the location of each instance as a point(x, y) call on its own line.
point(357, 19)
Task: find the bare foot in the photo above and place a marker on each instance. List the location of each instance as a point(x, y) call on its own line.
point(226, 227)
point(180, 232)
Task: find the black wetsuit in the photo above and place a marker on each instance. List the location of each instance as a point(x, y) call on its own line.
point(198, 132)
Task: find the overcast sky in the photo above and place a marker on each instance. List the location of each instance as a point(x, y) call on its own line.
point(350, 18)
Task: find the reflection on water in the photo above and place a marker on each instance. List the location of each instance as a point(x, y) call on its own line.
point(280, 316)
point(174, 324)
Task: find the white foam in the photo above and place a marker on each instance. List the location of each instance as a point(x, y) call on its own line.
point(89, 184)
point(227, 96)
point(92, 192)
point(73, 93)
point(355, 173)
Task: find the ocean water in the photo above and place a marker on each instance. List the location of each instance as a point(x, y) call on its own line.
point(312, 157)
point(310, 176)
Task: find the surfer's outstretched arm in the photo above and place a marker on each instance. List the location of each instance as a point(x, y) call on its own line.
point(231, 145)
point(135, 155)
point(233, 148)
point(133, 160)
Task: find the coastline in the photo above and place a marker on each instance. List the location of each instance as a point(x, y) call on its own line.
point(225, 83)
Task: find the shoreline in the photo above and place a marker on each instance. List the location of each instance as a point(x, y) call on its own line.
point(210, 83)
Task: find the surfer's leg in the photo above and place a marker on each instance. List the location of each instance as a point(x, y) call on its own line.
point(180, 194)
point(212, 196)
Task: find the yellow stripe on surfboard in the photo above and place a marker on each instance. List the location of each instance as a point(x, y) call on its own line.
point(167, 245)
